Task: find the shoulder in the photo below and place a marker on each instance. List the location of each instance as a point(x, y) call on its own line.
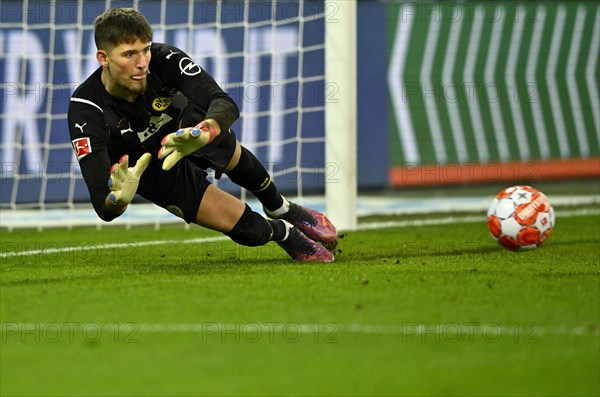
point(173, 65)
point(89, 93)
point(170, 58)
point(164, 52)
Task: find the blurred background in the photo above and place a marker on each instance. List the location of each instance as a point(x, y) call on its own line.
point(448, 93)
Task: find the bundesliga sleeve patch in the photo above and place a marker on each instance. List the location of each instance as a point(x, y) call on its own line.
point(82, 147)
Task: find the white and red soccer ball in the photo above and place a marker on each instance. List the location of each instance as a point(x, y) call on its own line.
point(520, 218)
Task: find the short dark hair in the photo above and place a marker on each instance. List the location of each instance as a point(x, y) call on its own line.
point(120, 25)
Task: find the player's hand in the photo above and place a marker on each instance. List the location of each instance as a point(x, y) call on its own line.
point(124, 180)
point(177, 145)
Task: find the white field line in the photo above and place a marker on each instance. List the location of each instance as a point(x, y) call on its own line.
point(458, 219)
point(290, 331)
point(362, 226)
point(110, 246)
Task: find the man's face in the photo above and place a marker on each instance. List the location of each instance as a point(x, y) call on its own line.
point(127, 66)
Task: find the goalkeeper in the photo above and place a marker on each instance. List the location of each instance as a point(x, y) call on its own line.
point(151, 121)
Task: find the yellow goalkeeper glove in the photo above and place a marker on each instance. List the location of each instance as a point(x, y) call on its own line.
point(177, 145)
point(124, 180)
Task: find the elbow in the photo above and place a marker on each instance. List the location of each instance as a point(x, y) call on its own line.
point(105, 213)
point(105, 216)
point(232, 109)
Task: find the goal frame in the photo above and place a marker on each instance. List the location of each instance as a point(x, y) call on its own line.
point(336, 184)
point(341, 113)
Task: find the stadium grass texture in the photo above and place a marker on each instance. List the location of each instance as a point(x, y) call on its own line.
point(420, 310)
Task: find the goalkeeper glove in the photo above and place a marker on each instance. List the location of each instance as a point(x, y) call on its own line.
point(177, 145)
point(124, 180)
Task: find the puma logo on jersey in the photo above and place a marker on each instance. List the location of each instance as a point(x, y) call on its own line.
point(124, 130)
point(121, 124)
point(77, 125)
point(171, 53)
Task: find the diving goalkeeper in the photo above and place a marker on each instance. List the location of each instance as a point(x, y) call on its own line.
point(151, 121)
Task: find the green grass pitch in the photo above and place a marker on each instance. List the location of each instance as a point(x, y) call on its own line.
point(436, 309)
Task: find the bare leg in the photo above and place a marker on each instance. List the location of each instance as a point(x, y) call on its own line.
point(219, 210)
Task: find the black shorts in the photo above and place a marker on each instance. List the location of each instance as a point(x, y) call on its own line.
point(180, 190)
point(217, 154)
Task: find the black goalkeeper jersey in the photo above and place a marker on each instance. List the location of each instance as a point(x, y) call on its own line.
point(104, 128)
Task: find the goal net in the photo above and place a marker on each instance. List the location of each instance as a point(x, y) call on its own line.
point(268, 55)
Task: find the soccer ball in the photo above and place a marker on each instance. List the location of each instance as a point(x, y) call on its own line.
point(520, 218)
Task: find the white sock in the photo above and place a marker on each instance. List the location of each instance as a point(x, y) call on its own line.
point(279, 211)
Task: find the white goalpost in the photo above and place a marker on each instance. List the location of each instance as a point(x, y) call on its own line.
point(290, 66)
point(340, 113)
